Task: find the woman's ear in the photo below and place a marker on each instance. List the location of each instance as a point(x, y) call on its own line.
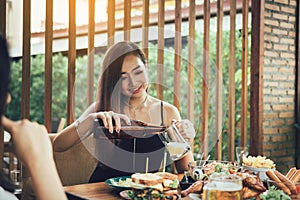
point(8, 98)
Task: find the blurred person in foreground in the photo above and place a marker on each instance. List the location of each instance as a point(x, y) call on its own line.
point(31, 144)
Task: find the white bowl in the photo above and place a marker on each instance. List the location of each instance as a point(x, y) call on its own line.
point(260, 171)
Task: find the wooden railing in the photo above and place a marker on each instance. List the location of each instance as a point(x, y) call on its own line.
point(193, 12)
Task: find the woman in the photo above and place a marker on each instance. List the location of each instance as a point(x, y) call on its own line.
point(31, 144)
point(121, 97)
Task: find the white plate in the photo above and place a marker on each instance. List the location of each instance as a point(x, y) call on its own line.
point(195, 196)
point(261, 171)
point(124, 194)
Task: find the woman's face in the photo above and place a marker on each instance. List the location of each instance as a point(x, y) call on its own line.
point(134, 76)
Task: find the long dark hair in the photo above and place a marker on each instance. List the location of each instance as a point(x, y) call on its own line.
point(4, 74)
point(109, 94)
point(4, 90)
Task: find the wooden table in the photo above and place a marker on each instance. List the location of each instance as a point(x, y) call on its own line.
point(94, 191)
point(91, 191)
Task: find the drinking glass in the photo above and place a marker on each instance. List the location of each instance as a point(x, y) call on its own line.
point(16, 177)
point(174, 142)
point(223, 187)
point(240, 152)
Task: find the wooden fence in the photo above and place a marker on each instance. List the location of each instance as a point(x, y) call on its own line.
point(205, 11)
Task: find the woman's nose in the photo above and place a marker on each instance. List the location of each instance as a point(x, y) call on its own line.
point(131, 79)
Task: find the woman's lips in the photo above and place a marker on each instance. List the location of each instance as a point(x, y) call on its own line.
point(136, 90)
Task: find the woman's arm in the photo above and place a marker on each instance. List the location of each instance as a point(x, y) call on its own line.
point(173, 115)
point(33, 147)
point(72, 134)
point(83, 127)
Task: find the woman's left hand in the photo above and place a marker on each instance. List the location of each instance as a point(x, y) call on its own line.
point(186, 129)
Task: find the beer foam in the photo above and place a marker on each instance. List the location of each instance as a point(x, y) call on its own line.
point(223, 186)
point(176, 147)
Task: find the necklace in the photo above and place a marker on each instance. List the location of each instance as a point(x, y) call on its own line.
point(133, 109)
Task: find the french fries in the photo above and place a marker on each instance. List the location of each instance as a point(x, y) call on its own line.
point(258, 162)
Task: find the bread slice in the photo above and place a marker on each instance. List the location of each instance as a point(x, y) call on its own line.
point(148, 179)
point(167, 175)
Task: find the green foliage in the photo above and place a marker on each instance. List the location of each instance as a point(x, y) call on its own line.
point(60, 82)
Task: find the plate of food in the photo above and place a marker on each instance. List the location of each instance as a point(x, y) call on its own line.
point(259, 165)
point(160, 185)
point(201, 169)
point(122, 182)
point(252, 184)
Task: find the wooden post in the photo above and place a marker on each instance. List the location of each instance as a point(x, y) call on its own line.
point(256, 90)
point(160, 50)
point(91, 53)
point(205, 79)
point(48, 66)
point(71, 60)
point(219, 81)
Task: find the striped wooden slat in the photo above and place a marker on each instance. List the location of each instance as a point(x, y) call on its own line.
point(244, 118)
point(26, 59)
point(191, 60)
point(127, 19)
point(71, 61)
point(160, 50)
point(257, 66)
point(177, 58)
point(219, 81)
point(205, 79)
point(91, 53)
point(231, 93)
point(110, 22)
point(48, 66)
point(145, 27)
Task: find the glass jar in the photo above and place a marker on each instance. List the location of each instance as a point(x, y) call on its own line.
point(222, 186)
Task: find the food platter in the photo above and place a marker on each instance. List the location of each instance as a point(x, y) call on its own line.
point(122, 182)
point(158, 185)
point(260, 171)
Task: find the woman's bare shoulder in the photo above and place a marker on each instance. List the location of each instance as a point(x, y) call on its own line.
point(168, 107)
point(157, 102)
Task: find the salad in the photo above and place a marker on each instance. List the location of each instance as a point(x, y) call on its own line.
point(274, 194)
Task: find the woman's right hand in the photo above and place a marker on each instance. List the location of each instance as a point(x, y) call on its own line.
point(108, 117)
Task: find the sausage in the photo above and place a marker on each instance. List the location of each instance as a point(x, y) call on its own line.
point(295, 176)
point(290, 173)
point(278, 183)
point(286, 181)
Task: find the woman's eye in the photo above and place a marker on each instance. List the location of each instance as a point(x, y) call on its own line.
point(138, 72)
point(123, 78)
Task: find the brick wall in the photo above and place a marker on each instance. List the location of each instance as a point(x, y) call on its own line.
point(279, 82)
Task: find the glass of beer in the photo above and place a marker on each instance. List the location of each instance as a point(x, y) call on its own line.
point(174, 142)
point(221, 186)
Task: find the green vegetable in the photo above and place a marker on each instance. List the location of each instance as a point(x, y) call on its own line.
point(174, 184)
point(274, 194)
point(219, 167)
point(144, 194)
